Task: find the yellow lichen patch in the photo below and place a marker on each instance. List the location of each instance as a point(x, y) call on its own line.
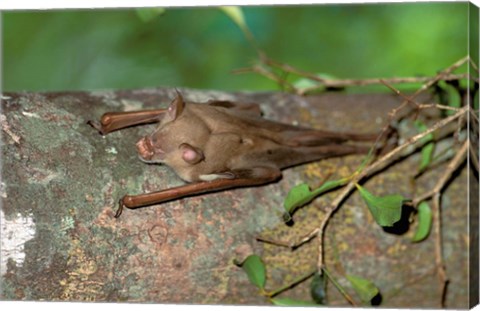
point(396, 249)
point(316, 171)
point(78, 286)
point(305, 115)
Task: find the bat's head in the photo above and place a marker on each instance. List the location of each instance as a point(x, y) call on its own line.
point(178, 140)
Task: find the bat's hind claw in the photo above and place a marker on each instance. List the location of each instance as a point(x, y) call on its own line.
point(120, 208)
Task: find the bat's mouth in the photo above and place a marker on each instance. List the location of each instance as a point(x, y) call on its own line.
point(145, 149)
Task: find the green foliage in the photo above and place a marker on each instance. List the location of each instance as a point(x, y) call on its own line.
point(148, 14)
point(255, 269)
point(318, 288)
point(300, 195)
point(364, 288)
point(386, 210)
point(289, 302)
point(427, 149)
point(199, 47)
point(424, 222)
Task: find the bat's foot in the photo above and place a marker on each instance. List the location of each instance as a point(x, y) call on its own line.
point(120, 208)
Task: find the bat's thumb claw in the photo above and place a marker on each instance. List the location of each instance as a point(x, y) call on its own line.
point(96, 126)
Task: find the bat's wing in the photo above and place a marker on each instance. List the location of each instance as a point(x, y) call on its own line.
point(251, 108)
point(236, 178)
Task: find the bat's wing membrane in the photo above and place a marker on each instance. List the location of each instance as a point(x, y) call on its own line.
point(251, 108)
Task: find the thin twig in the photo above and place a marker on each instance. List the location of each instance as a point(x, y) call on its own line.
point(475, 67)
point(362, 82)
point(387, 159)
point(451, 168)
point(435, 195)
point(292, 244)
point(418, 105)
point(291, 284)
point(443, 281)
point(340, 288)
point(341, 83)
point(272, 76)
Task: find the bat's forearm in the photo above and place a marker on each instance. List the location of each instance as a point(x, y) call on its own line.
point(141, 200)
point(112, 121)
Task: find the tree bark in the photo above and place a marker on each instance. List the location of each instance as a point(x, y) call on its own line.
point(61, 180)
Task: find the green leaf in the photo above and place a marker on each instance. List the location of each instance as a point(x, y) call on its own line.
point(255, 270)
point(305, 83)
point(424, 222)
point(236, 15)
point(318, 288)
point(292, 302)
point(427, 150)
point(300, 195)
point(364, 288)
point(454, 98)
point(386, 210)
point(148, 14)
point(449, 95)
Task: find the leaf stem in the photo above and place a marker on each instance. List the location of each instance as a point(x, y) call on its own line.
point(291, 284)
point(340, 288)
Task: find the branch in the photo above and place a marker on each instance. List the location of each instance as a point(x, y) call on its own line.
point(368, 171)
point(341, 83)
point(387, 159)
point(451, 168)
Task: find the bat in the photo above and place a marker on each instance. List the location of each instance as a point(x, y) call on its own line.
point(221, 145)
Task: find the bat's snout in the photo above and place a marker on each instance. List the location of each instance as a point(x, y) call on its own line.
point(146, 150)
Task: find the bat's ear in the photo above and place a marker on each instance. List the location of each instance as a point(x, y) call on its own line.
point(190, 154)
point(176, 107)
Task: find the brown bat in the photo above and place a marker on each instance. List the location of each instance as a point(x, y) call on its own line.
point(221, 145)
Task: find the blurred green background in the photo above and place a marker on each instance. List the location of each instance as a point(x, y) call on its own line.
point(199, 47)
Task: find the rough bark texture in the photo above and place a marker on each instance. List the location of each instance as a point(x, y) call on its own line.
point(61, 181)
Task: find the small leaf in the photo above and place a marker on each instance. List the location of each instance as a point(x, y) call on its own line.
point(300, 195)
point(454, 98)
point(291, 302)
point(255, 270)
point(424, 222)
point(449, 95)
point(305, 83)
point(318, 288)
point(427, 150)
point(386, 210)
point(364, 288)
point(148, 14)
point(236, 15)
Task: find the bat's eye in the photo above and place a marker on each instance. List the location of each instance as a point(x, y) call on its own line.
point(190, 154)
